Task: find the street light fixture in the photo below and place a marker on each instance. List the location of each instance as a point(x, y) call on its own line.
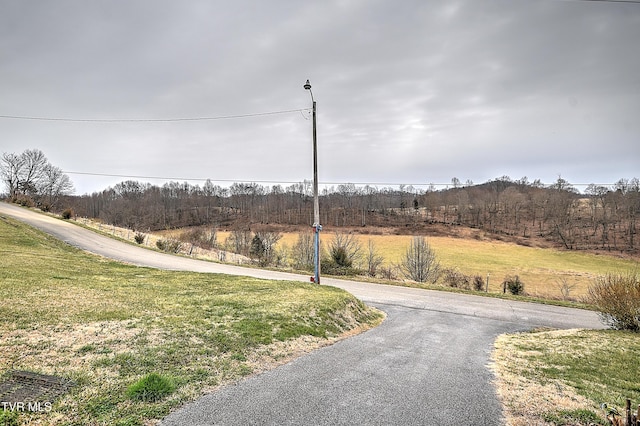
point(316, 205)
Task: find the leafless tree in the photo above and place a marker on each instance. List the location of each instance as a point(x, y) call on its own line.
point(10, 171)
point(239, 241)
point(420, 262)
point(29, 174)
point(54, 183)
point(303, 251)
point(373, 259)
point(565, 287)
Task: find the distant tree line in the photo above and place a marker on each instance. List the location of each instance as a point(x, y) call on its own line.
point(600, 218)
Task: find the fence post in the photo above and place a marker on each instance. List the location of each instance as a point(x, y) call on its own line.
point(627, 412)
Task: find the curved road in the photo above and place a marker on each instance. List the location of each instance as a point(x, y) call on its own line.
point(427, 364)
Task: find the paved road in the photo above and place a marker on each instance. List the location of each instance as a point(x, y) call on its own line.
point(425, 365)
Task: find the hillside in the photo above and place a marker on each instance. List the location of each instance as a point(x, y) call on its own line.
point(603, 219)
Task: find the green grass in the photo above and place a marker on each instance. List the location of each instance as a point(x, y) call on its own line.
point(105, 325)
point(600, 366)
point(152, 387)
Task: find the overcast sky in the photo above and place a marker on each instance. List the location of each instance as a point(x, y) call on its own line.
point(407, 91)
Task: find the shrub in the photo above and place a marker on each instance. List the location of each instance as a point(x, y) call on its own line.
point(67, 213)
point(373, 259)
point(389, 273)
point(24, 201)
point(617, 299)
point(340, 257)
point(169, 245)
point(456, 279)
point(345, 250)
point(513, 284)
point(152, 387)
point(205, 237)
point(331, 267)
point(139, 237)
point(478, 283)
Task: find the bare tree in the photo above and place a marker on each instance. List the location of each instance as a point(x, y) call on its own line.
point(303, 251)
point(374, 259)
point(54, 183)
point(30, 174)
point(420, 262)
point(10, 170)
point(239, 241)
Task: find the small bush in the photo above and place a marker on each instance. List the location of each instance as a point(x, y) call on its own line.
point(456, 279)
point(139, 237)
point(331, 267)
point(152, 387)
point(67, 214)
point(513, 285)
point(24, 201)
point(169, 245)
point(617, 298)
point(478, 283)
point(204, 237)
point(389, 273)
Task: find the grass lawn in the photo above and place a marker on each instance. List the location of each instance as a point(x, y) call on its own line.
point(562, 377)
point(107, 326)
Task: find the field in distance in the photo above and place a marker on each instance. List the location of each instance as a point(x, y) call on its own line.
point(543, 270)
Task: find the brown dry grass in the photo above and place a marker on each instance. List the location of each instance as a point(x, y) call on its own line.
point(542, 269)
point(565, 375)
point(524, 398)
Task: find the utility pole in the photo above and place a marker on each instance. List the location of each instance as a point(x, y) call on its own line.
point(316, 204)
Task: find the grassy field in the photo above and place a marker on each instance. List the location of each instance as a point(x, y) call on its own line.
point(541, 269)
point(106, 325)
point(562, 377)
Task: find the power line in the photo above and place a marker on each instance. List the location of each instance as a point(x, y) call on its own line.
point(149, 120)
point(607, 1)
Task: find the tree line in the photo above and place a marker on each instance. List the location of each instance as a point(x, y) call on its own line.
point(600, 218)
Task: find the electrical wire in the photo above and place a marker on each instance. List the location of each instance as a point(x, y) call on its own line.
point(150, 120)
point(607, 1)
